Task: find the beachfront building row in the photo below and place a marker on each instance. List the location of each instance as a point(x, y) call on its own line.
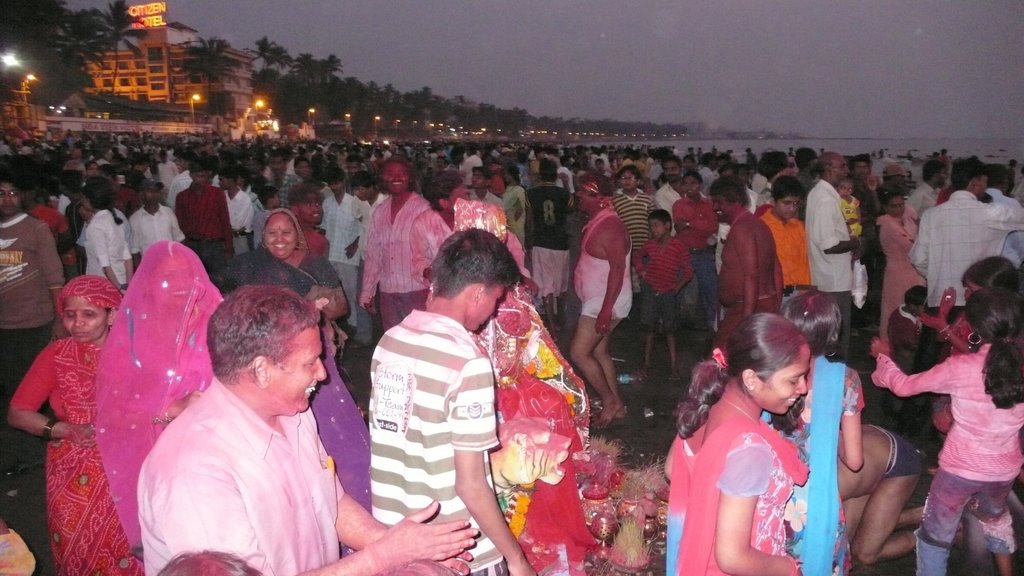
point(156, 73)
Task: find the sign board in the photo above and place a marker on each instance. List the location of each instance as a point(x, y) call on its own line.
point(149, 15)
point(102, 125)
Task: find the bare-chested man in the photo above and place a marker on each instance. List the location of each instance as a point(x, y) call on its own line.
point(751, 278)
point(602, 283)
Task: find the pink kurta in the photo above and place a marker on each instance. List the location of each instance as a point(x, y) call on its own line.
point(896, 238)
point(983, 443)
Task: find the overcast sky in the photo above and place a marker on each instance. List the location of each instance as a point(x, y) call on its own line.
point(826, 68)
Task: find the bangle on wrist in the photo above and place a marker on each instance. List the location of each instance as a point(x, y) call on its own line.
point(48, 428)
point(164, 419)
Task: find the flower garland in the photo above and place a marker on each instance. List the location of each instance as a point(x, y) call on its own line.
point(515, 504)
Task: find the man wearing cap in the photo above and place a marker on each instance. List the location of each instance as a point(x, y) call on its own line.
point(154, 222)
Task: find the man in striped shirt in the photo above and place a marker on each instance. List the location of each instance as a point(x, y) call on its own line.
point(633, 205)
point(432, 417)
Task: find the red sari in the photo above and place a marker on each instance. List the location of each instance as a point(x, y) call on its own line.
point(85, 533)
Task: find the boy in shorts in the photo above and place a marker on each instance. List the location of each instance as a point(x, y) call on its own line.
point(663, 265)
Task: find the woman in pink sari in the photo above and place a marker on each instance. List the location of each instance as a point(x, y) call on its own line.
point(154, 362)
point(897, 231)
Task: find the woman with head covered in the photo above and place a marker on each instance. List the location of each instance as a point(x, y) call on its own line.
point(155, 362)
point(86, 535)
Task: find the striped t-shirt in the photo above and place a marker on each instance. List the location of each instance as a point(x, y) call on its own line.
point(633, 210)
point(433, 393)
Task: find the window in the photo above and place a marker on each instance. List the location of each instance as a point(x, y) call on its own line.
point(122, 65)
point(155, 54)
point(141, 82)
point(140, 65)
point(108, 82)
point(158, 86)
point(156, 69)
point(124, 81)
point(195, 78)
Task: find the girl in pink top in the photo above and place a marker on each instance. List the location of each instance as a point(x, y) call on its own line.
point(982, 454)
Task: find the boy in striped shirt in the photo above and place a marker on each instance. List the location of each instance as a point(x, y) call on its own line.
point(432, 417)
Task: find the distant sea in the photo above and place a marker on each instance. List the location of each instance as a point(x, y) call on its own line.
point(987, 149)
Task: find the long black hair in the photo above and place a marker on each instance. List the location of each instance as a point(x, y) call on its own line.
point(994, 314)
point(99, 191)
point(764, 343)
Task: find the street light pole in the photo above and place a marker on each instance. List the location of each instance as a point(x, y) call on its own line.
point(309, 116)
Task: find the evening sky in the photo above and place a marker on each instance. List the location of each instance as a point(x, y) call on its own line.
point(826, 68)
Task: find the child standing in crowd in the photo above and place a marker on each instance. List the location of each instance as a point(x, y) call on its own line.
point(904, 330)
point(981, 457)
point(663, 265)
point(432, 415)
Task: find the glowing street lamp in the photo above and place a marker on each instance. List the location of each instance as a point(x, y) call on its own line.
point(309, 116)
point(10, 60)
point(260, 103)
point(192, 105)
point(376, 120)
point(348, 117)
point(25, 90)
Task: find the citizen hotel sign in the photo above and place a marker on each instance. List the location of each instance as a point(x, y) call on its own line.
point(148, 15)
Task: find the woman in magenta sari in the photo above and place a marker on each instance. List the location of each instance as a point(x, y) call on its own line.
point(155, 361)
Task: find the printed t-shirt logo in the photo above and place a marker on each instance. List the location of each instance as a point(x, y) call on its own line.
point(392, 397)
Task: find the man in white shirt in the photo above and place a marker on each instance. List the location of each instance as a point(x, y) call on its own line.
point(480, 184)
point(666, 196)
point(344, 230)
point(708, 163)
point(830, 247)
point(472, 160)
point(963, 230)
point(166, 169)
point(933, 178)
point(181, 182)
point(154, 222)
point(240, 208)
point(364, 188)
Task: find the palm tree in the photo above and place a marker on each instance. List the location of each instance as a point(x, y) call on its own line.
point(211, 60)
point(330, 67)
point(272, 54)
point(118, 28)
point(81, 38)
point(305, 69)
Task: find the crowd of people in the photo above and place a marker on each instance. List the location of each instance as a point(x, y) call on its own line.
point(172, 312)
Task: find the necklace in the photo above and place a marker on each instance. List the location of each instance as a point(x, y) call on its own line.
point(741, 410)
